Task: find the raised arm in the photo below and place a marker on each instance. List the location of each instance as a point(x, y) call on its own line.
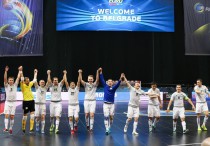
point(122, 76)
point(64, 76)
point(101, 77)
point(20, 68)
point(35, 75)
point(5, 75)
point(65, 79)
point(18, 77)
point(49, 81)
point(80, 77)
point(78, 80)
point(127, 83)
point(97, 77)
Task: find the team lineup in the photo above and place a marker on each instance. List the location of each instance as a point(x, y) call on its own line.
point(37, 107)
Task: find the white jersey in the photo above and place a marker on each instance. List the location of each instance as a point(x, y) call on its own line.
point(179, 98)
point(135, 97)
point(153, 99)
point(73, 96)
point(56, 92)
point(202, 96)
point(11, 92)
point(41, 94)
point(90, 91)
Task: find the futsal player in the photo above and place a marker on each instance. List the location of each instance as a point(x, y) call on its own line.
point(133, 105)
point(90, 99)
point(109, 94)
point(11, 97)
point(178, 98)
point(40, 102)
point(55, 104)
point(28, 100)
point(201, 92)
point(73, 107)
point(154, 106)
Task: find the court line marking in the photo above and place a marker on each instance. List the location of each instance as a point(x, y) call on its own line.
point(186, 144)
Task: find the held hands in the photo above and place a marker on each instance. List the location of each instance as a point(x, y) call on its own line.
point(122, 77)
point(99, 70)
point(20, 68)
point(79, 71)
point(168, 110)
point(48, 72)
point(193, 107)
point(6, 68)
point(65, 72)
point(35, 71)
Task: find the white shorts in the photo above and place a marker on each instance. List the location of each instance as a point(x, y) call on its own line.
point(108, 109)
point(89, 106)
point(55, 109)
point(9, 108)
point(178, 112)
point(201, 107)
point(133, 112)
point(40, 109)
point(73, 110)
point(153, 111)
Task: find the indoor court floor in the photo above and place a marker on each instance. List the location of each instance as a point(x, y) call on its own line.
point(163, 136)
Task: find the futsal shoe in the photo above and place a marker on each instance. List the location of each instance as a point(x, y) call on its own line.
point(135, 133)
point(199, 129)
point(5, 130)
point(52, 128)
point(185, 131)
point(42, 131)
point(10, 131)
point(88, 128)
point(56, 131)
point(75, 128)
point(174, 129)
point(31, 131)
point(72, 131)
point(107, 132)
point(125, 129)
point(204, 128)
point(24, 131)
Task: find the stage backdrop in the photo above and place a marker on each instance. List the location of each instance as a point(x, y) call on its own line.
point(21, 27)
point(197, 27)
point(116, 15)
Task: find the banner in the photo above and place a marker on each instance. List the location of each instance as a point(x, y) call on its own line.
point(119, 96)
point(197, 27)
point(115, 15)
point(21, 27)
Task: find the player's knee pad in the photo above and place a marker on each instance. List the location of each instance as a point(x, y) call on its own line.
point(32, 116)
point(25, 118)
point(111, 117)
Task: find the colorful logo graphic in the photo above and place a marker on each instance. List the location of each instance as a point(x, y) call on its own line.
point(24, 15)
point(199, 8)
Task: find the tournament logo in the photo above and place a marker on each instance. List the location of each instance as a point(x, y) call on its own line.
point(199, 8)
point(115, 2)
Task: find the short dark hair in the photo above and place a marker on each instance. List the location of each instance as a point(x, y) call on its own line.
point(11, 78)
point(199, 79)
point(55, 78)
point(91, 76)
point(154, 83)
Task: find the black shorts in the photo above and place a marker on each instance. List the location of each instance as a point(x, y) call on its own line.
point(28, 106)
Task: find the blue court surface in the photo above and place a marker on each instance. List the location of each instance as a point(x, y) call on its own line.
point(162, 136)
